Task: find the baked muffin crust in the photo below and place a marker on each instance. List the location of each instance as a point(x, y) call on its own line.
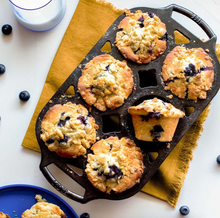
point(43, 210)
point(141, 37)
point(68, 130)
point(106, 82)
point(188, 73)
point(116, 165)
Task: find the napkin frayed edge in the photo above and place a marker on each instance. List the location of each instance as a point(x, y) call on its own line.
point(185, 156)
point(109, 4)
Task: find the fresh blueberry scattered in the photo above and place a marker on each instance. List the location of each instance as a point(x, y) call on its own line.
point(218, 159)
point(2, 68)
point(184, 210)
point(84, 215)
point(24, 96)
point(6, 29)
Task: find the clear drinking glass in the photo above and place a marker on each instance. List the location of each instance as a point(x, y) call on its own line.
point(39, 15)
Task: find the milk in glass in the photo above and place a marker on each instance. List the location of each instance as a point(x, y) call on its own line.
point(39, 15)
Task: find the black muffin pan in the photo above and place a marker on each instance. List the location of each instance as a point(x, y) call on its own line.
point(148, 84)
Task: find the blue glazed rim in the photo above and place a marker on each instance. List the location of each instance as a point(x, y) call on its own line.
point(18, 187)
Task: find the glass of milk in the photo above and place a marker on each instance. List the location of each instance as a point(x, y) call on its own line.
point(38, 15)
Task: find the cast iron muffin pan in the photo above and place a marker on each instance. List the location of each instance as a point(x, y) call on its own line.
point(148, 84)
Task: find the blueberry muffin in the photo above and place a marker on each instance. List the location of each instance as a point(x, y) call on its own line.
point(141, 37)
point(155, 120)
point(2, 215)
point(68, 130)
point(115, 165)
point(188, 73)
point(44, 210)
point(106, 82)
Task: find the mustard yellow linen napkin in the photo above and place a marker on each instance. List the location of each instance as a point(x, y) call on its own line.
point(89, 23)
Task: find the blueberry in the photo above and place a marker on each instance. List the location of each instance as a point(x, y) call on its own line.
point(62, 114)
point(24, 96)
point(91, 88)
point(150, 115)
point(114, 173)
point(64, 140)
point(84, 215)
point(150, 51)
point(137, 50)
point(191, 71)
point(164, 37)
point(141, 25)
point(82, 119)
point(141, 20)
point(218, 159)
point(2, 69)
point(156, 132)
point(6, 29)
point(184, 210)
point(151, 15)
point(63, 122)
point(107, 68)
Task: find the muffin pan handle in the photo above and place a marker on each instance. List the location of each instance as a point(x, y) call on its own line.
point(59, 187)
point(193, 17)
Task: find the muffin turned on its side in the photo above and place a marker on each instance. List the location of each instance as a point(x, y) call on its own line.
point(155, 120)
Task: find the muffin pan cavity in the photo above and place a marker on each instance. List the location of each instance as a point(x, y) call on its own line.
point(148, 84)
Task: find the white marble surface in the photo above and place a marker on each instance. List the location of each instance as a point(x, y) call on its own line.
point(28, 55)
